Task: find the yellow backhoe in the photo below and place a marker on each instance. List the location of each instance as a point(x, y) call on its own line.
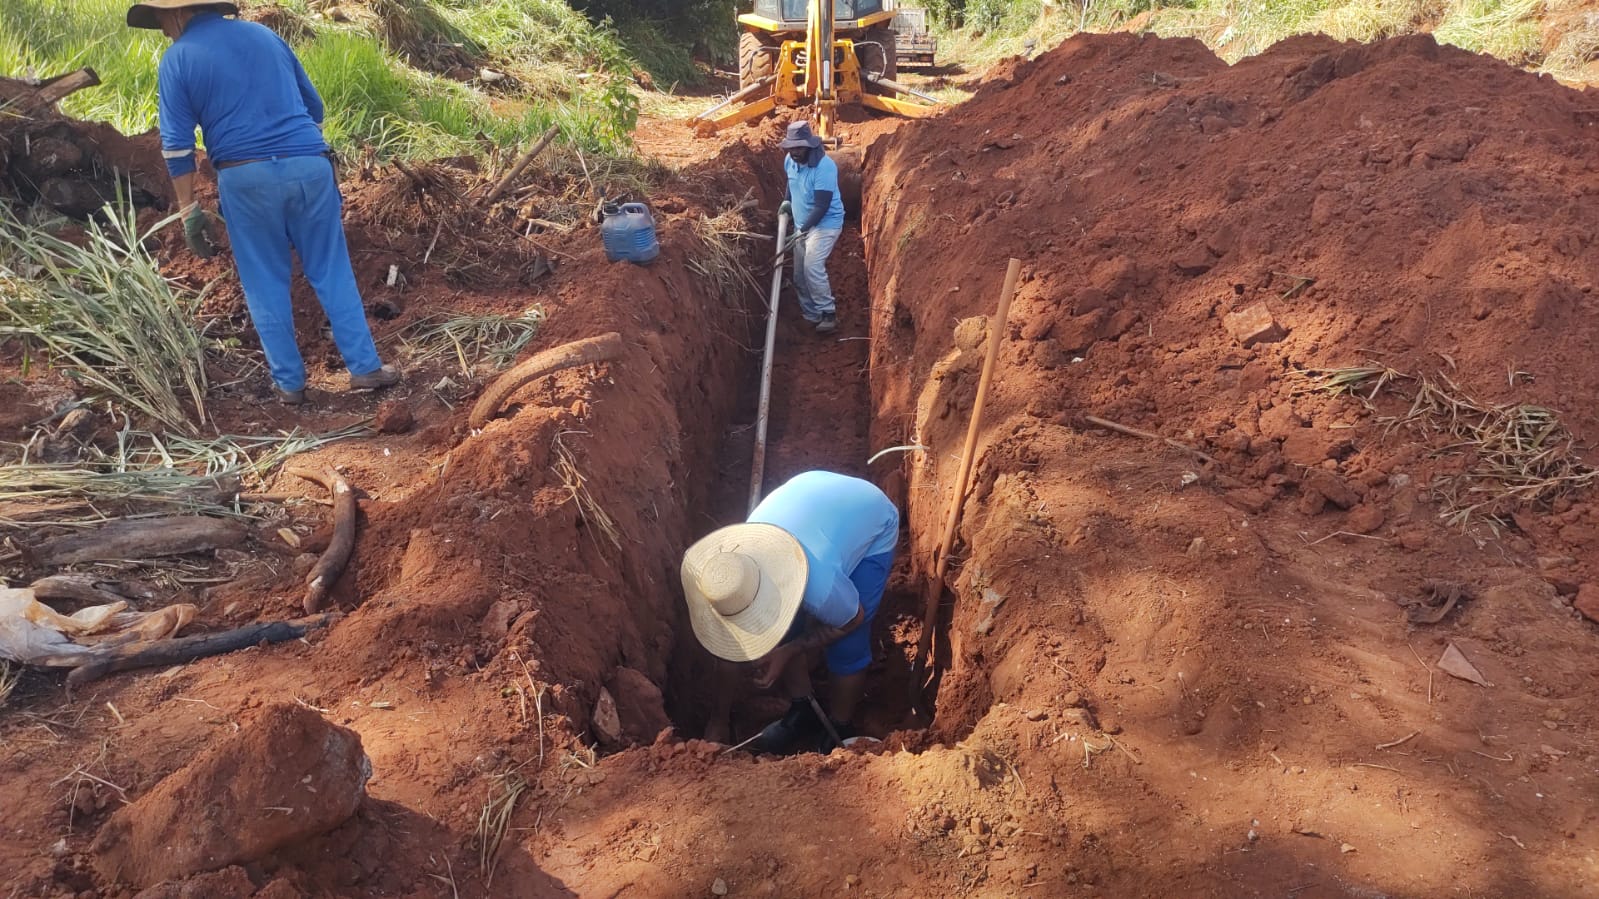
point(821, 54)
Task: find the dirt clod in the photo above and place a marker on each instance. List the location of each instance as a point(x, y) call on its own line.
point(1587, 601)
point(1253, 325)
point(392, 417)
point(286, 776)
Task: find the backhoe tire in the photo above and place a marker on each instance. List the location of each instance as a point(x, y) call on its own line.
point(756, 58)
point(882, 59)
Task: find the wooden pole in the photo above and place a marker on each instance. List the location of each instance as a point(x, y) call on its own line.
point(935, 586)
point(521, 166)
point(758, 467)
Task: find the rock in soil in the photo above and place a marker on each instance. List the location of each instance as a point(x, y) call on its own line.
point(286, 776)
point(640, 704)
point(1587, 601)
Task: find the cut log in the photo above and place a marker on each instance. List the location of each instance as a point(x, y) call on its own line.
point(139, 538)
point(327, 570)
point(186, 649)
point(55, 89)
point(579, 352)
point(90, 591)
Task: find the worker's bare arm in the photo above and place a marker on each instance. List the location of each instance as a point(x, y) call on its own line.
point(183, 186)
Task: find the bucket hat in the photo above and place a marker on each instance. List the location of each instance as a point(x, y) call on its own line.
point(744, 584)
point(799, 134)
point(142, 15)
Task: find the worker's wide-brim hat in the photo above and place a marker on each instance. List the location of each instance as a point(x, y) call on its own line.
point(799, 134)
point(744, 585)
point(142, 15)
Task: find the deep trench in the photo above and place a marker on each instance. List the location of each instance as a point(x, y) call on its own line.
point(820, 418)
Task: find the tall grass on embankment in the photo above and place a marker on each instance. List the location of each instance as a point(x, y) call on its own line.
point(373, 67)
point(979, 31)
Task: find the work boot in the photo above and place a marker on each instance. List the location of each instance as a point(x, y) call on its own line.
point(289, 397)
point(828, 324)
point(791, 733)
point(385, 376)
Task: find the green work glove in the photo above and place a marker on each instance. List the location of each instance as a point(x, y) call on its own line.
point(197, 232)
point(787, 209)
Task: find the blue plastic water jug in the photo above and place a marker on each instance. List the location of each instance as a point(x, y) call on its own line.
point(629, 233)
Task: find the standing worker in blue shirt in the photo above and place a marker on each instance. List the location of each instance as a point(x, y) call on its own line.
point(262, 120)
point(818, 210)
point(805, 573)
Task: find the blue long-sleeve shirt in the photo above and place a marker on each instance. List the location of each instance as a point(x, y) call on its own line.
point(243, 87)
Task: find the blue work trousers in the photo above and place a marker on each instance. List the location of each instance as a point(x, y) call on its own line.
point(810, 272)
point(286, 205)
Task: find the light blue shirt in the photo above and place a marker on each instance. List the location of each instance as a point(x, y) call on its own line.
point(243, 87)
point(803, 183)
point(838, 520)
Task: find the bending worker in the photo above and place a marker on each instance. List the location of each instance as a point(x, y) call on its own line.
point(818, 210)
point(262, 120)
point(805, 573)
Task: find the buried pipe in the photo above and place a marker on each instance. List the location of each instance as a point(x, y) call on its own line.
point(922, 665)
point(758, 467)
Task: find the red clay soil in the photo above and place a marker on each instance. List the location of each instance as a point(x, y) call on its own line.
point(1160, 677)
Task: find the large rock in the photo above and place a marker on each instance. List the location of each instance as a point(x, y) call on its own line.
point(1587, 601)
point(286, 776)
point(639, 704)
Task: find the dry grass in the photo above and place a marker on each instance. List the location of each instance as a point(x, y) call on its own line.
point(473, 340)
point(595, 518)
point(9, 676)
point(147, 473)
point(1514, 456)
point(722, 260)
point(495, 820)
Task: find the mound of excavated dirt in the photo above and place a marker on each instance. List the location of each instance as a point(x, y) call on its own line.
point(1195, 234)
point(1218, 677)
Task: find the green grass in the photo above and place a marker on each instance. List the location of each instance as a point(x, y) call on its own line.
point(100, 310)
point(375, 75)
point(43, 38)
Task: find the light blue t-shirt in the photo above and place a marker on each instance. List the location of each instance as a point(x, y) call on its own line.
point(839, 520)
point(803, 183)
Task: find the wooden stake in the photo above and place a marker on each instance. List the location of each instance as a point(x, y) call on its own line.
point(521, 166)
point(935, 586)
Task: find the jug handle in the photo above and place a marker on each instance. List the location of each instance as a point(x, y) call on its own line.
point(635, 207)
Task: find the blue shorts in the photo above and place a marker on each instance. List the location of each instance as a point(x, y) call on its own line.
point(851, 653)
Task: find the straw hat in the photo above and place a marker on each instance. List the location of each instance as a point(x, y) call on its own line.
point(744, 584)
point(142, 15)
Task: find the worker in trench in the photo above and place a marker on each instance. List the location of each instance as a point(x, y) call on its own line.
point(261, 118)
point(804, 575)
point(818, 209)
